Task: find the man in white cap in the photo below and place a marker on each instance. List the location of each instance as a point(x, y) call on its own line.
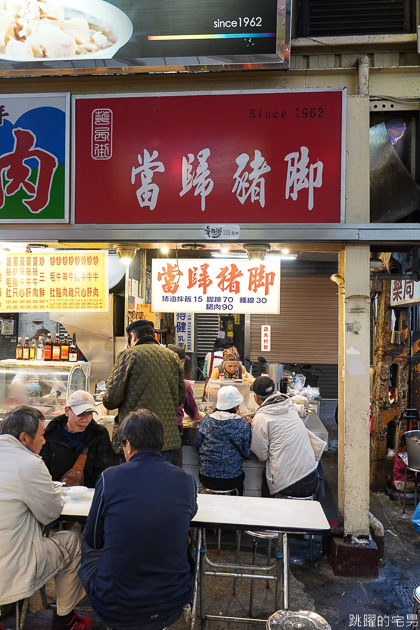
point(75, 441)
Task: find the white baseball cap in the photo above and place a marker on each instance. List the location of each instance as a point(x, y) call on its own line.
point(228, 397)
point(81, 402)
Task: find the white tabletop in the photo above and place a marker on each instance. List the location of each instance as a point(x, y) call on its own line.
point(239, 512)
point(78, 507)
point(260, 513)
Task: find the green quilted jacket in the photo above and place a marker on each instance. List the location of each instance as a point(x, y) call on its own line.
point(148, 376)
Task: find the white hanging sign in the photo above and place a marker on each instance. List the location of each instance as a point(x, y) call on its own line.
point(184, 331)
point(216, 286)
point(405, 292)
point(266, 338)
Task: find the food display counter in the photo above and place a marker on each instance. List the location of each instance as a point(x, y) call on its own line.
point(246, 408)
point(42, 384)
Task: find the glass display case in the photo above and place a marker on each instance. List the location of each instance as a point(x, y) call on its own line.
point(42, 384)
point(247, 407)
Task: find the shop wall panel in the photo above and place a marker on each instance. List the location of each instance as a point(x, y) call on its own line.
point(306, 331)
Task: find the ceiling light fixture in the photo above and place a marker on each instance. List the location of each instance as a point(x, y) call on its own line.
point(285, 251)
point(126, 254)
point(224, 249)
point(256, 251)
point(164, 249)
point(14, 248)
point(242, 255)
point(269, 256)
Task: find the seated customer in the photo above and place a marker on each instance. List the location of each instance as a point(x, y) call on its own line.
point(224, 439)
point(73, 435)
point(135, 568)
point(280, 438)
point(29, 501)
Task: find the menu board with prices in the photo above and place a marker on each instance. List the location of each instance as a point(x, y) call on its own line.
point(52, 281)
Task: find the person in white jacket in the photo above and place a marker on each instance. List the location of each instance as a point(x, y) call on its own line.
point(29, 501)
point(280, 438)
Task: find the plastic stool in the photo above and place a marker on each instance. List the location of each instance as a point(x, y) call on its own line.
point(308, 498)
point(296, 620)
point(205, 490)
point(258, 535)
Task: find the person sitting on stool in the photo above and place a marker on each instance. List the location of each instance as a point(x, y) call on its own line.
point(280, 438)
point(29, 500)
point(224, 439)
point(134, 555)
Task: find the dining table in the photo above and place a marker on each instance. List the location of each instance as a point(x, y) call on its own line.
point(253, 514)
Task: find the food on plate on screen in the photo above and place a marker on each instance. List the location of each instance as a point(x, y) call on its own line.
point(38, 29)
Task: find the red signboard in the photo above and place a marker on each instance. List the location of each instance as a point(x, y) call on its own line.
point(267, 157)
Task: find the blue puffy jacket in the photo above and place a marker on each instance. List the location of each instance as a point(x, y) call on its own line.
point(223, 441)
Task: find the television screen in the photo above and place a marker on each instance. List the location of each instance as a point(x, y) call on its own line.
point(99, 36)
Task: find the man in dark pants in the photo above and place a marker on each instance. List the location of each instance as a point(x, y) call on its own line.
point(147, 376)
point(134, 559)
point(280, 438)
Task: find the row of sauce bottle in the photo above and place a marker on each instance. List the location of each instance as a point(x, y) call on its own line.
point(47, 350)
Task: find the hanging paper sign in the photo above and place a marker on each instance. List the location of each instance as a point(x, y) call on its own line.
point(265, 338)
point(184, 331)
point(216, 286)
point(65, 281)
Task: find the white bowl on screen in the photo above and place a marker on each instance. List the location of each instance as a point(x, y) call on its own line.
point(99, 14)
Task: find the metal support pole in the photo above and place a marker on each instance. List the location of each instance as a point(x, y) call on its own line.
point(279, 573)
point(196, 573)
point(202, 576)
point(251, 590)
point(285, 572)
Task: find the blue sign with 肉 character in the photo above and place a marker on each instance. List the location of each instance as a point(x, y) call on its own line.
point(34, 158)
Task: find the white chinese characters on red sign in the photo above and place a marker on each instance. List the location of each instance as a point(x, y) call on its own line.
point(265, 338)
point(101, 148)
point(248, 184)
point(221, 158)
point(404, 292)
point(216, 286)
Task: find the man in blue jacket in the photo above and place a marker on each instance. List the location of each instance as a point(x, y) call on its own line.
point(134, 566)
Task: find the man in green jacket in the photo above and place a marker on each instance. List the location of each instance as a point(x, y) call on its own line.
point(148, 376)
